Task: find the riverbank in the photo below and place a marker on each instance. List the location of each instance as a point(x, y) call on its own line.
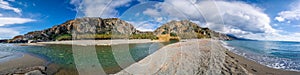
point(26, 64)
point(92, 42)
point(199, 57)
point(187, 57)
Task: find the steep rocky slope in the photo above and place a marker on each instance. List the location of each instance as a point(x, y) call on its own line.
point(98, 28)
point(81, 26)
point(186, 29)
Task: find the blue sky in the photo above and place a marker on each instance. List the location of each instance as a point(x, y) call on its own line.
point(255, 19)
point(33, 15)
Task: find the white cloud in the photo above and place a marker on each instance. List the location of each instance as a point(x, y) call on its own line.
point(11, 20)
point(233, 17)
point(144, 29)
point(7, 33)
point(174, 10)
point(159, 19)
point(151, 12)
point(1, 14)
point(289, 15)
point(99, 8)
point(144, 25)
point(280, 19)
point(236, 15)
point(5, 5)
point(292, 14)
point(228, 17)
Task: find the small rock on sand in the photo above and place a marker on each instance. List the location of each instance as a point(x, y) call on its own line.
point(34, 72)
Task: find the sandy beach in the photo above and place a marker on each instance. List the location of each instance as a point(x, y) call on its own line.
point(92, 42)
point(199, 57)
point(187, 57)
point(26, 64)
point(256, 68)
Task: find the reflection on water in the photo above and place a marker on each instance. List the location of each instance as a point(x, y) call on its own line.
point(62, 54)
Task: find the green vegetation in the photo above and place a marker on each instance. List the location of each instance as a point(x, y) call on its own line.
point(96, 36)
point(64, 37)
point(165, 32)
point(173, 34)
point(143, 36)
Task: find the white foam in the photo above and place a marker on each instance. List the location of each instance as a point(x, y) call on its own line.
point(225, 44)
point(270, 61)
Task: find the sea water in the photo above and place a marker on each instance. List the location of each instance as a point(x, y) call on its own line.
point(275, 54)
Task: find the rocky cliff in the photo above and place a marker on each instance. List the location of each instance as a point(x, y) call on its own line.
point(87, 28)
point(81, 27)
point(186, 29)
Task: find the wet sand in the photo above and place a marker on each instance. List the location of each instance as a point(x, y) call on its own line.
point(188, 57)
point(24, 64)
point(92, 42)
point(256, 68)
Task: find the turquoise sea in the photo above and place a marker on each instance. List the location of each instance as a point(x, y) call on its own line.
point(275, 54)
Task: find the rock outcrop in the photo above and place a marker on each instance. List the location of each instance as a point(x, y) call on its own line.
point(186, 30)
point(80, 26)
point(83, 28)
point(3, 41)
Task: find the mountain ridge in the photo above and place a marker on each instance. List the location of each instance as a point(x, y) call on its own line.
point(109, 28)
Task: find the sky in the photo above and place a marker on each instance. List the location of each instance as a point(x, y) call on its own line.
point(275, 20)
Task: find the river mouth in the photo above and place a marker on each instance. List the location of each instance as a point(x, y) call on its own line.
point(62, 55)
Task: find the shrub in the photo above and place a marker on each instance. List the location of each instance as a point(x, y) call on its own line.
point(173, 34)
point(64, 37)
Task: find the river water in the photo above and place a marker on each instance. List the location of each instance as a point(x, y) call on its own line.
point(62, 55)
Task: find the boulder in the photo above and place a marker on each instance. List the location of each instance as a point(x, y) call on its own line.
point(34, 72)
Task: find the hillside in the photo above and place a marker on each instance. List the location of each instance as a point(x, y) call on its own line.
point(82, 28)
point(114, 28)
point(187, 30)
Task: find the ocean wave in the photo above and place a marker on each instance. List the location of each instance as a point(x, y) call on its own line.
point(226, 45)
point(267, 60)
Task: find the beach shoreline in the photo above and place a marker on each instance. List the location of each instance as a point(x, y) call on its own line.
point(193, 56)
point(256, 68)
point(27, 64)
point(224, 62)
point(92, 42)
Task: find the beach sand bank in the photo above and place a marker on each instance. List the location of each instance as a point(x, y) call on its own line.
point(256, 68)
point(26, 63)
point(187, 57)
point(199, 57)
point(92, 42)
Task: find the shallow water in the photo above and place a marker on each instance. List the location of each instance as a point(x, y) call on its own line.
point(63, 54)
point(275, 54)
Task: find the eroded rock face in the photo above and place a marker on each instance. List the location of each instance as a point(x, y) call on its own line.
point(186, 29)
point(82, 26)
point(114, 26)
